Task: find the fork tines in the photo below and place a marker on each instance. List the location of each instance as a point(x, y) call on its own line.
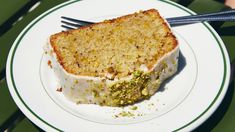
point(71, 23)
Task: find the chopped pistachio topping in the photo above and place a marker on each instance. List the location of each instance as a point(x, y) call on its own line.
point(125, 92)
point(128, 92)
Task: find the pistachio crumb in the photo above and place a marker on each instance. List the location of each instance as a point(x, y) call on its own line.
point(144, 92)
point(137, 73)
point(95, 93)
point(126, 114)
point(134, 108)
point(76, 81)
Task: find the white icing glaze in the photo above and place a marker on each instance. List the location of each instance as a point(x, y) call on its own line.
point(79, 89)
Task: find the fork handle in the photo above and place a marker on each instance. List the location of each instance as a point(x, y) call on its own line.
point(218, 16)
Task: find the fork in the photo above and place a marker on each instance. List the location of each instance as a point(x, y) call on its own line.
point(229, 15)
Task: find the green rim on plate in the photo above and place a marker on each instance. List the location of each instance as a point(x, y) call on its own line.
point(73, 1)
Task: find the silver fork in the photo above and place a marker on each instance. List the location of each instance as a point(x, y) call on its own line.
point(229, 15)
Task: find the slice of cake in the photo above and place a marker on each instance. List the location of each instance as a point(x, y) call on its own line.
point(116, 62)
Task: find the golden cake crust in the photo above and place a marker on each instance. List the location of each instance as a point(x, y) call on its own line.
point(62, 60)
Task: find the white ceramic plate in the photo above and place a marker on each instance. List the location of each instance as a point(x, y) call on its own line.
point(184, 101)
